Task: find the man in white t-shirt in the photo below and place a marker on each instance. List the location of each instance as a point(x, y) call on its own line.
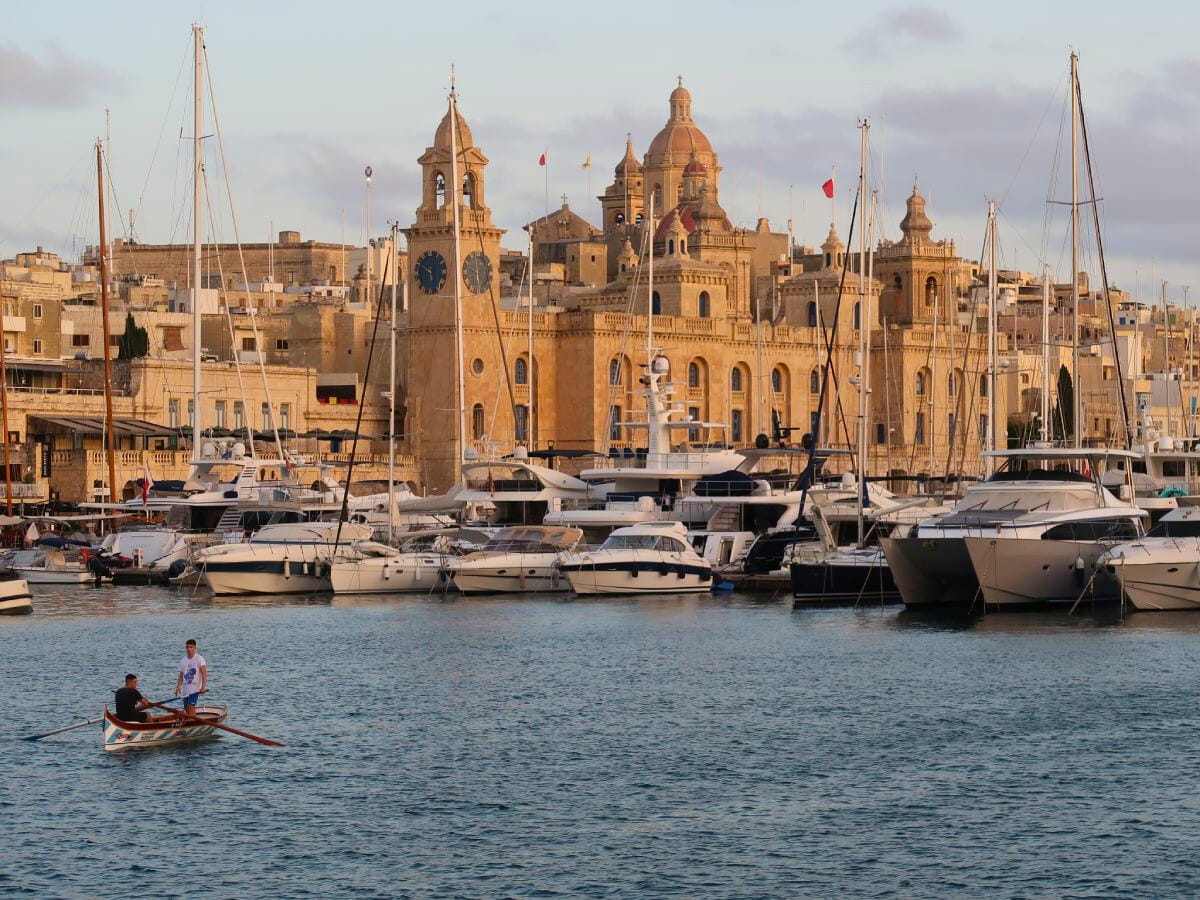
point(193, 678)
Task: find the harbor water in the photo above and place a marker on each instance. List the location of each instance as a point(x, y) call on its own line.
point(686, 746)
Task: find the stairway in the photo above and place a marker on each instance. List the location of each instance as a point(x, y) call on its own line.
point(727, 518)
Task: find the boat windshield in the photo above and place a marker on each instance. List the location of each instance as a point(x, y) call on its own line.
point(642, 542)
point(1177, 529)
point(534, 539)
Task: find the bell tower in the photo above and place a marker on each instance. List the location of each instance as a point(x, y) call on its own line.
point(430, 238)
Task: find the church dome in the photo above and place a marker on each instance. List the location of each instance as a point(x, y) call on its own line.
point(680, 134)
point(464, 139)
point(916, 225)
point(694, 166)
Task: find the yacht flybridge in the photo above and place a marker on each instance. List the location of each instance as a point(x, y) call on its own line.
point(1036, 490)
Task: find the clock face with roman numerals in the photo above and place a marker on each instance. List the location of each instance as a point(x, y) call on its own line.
point(477, 272)
point(431, 271)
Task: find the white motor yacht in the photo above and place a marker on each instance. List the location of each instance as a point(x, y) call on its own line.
point(374, 568)
point(1160, 571)
point(651, 558)
point(278, 559)
point(140, 555)
point(1035, 490)
point(518, 559)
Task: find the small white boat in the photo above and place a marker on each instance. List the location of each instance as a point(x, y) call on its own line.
point(373, 568)
point(55, 567)
point(140, 556)
point(520, 559)
point(14, 598)
point(160, 730)
point(1160, 571)
point(651, 558)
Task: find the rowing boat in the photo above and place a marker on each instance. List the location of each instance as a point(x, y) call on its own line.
point(14, 598)
point(162, 730)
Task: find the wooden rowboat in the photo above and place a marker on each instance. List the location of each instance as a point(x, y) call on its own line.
point(160, 731)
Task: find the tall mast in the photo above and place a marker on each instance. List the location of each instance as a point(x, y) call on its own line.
point(650, 286)
point(1076, 394)
point(197, 174)
point(392, 396)
point(4, 415)
point(529, 435)
point(367, 217)
point(990, 438)
point(1045, 353)
point(455, 187)
point(108, 411)
point(862, 332)
point(1166, 366)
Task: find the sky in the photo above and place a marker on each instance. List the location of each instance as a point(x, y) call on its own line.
point(968, 99)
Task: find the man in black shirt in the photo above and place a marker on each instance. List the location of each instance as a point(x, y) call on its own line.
point(130, 702)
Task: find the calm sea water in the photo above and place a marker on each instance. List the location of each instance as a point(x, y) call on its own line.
point(664, 746)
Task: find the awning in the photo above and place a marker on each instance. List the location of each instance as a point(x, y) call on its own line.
point(95, 425)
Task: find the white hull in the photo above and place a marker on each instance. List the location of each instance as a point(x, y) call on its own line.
point(1171, 584)
point(1035, 572)
point(243, 582)
point(592, 582)
point(14, 598)
point(386, 575)
point(38, 575)
point(530, 580)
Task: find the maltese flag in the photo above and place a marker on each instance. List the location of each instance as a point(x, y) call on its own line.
point(147, 483)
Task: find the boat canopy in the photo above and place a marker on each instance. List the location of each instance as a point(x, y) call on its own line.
point(549, 535)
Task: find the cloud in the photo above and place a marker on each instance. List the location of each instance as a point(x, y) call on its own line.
point(918, 24)
point(54, 80)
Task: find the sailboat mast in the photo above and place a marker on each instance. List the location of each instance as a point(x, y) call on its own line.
point(4, 415)
point(529, 435)
point(455, 186)
point(1166, 366)
point(392, 395)
point(1077, 411)
point(990, 438)
point(1045, 353)
point(650, 287)
point(197, 174)
point(862, 332)
point(108, 410)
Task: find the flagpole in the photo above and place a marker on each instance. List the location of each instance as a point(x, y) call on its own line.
point(546, 166)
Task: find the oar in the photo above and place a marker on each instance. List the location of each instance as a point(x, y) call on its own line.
point(245, 734)
point(38, 737)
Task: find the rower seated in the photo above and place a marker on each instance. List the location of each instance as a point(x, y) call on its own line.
point(130, 703)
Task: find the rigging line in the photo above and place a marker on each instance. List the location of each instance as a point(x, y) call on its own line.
point(614, 387)
point(242, 260)
point(163, 128)
point(1052, 185)
point(344, 512)
point(512, 394)
point(1029, 147)
point(1112, 327)
point(237, 363)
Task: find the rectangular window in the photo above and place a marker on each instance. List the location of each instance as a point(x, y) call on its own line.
point(919, 437)
point(114, 340)
point(239, 416)
point(220, 416)
point(285, 415)
point(37, 310)
point(81, 340)
point(191, 413)
point(983, 428)
point(248, 343)
point(521, 426)
point(266, 416)
point(952, 427)
point(735, 422)
point(172, 337)
point(1173, 468)
point(37, 346)
point(694, 415)
point(172, 413)
point(281, 344)
point(880, 433)
point(614, 429)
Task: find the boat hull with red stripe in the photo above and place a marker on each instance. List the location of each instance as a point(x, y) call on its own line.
point(162, 730)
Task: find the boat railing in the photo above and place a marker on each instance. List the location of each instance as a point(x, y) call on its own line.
point(642, 459)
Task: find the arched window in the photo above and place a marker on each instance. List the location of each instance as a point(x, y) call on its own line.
point(777, 381)
point(921, 383)
point(639, 219)
point(658, 198)
point(468, 189)
point(704, 304)
point(857, 316)
point(683, 246)
point(930, 291)
point(477, 420)
point(897, 284)
point(439, 188)
point(983, 385)
point(656, 304)
point(814, 381)
point(693, 375)
point(828, 260)
point(952, 384)
point(620, 218)
point(521, 425)
point(614, 372)
point(812, 314)
point(671, 247)
point(735, 380)
point(521, 371)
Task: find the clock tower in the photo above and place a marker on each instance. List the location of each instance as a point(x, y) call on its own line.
point(431, 387)
point(431, 237)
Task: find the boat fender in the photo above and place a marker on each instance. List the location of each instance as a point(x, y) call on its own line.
point(555, 576)
point(1079, 571)
point(287, 568)
point(722, 586)
point(521, 579)
point(177, 568)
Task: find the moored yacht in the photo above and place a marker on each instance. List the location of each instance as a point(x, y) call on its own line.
point(521, 558)
point(651, 558)
point(370, 567)
point(1036, 489)
point(1160, 571)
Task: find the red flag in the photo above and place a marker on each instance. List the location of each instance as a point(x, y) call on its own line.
point(827, 187)
point(542, 160)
